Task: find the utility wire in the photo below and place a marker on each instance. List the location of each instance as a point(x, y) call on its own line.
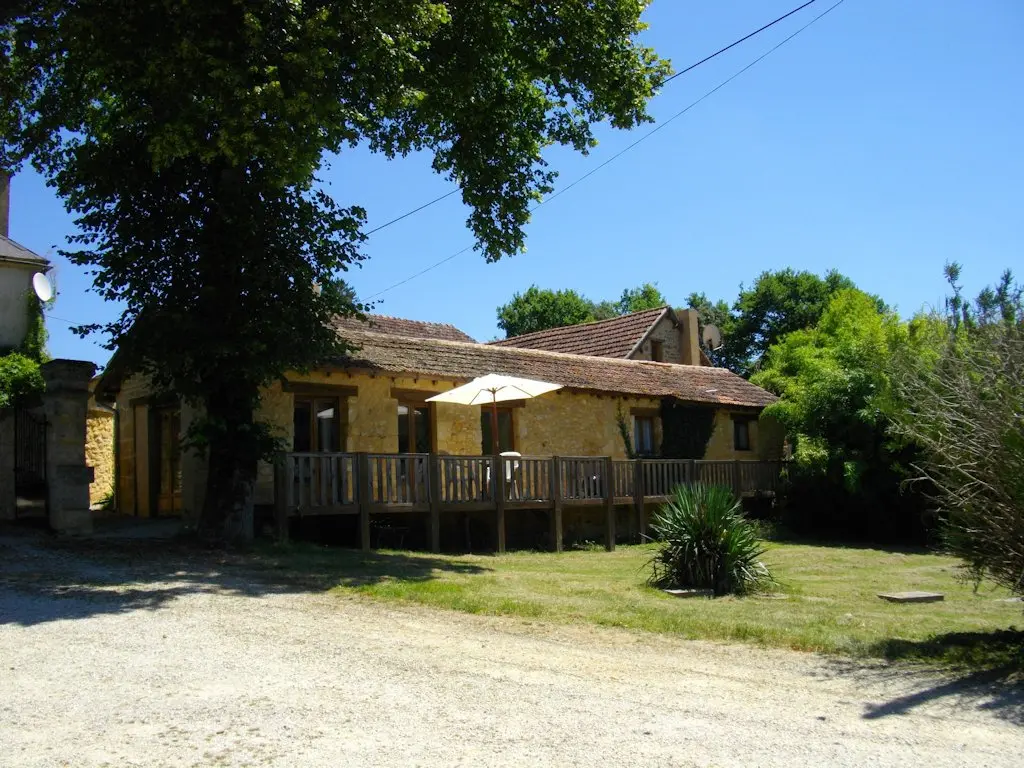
point(667, 80)
point(626, 149)
point(741, 40)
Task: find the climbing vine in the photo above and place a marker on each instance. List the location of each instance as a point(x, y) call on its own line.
point(623, 423)
point(20, 378)
point(686, 429)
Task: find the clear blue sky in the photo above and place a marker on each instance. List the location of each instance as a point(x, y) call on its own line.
point(883, 141)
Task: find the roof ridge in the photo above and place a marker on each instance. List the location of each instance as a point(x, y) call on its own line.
point(567, 356)
point(588, 325)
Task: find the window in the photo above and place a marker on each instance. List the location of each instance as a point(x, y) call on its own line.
point(741, 434)
point(506, 437)
point(657, 351)
point(643, 435)
point(415, 428)
point(317, 424)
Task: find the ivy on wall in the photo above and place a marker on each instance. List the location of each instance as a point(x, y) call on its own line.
point(21, 381)
point(685, 429)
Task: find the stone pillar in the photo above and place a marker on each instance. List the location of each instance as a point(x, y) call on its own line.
point(65, 403)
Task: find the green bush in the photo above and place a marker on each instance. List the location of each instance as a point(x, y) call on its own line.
point(707, 543)
point(20, 380)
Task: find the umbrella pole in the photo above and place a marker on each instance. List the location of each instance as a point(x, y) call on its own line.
point(494, 423)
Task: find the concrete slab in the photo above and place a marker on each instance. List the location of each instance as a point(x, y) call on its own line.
point(913, 597)
point(690, 592)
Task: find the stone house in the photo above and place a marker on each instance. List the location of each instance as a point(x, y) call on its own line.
point(375, 401)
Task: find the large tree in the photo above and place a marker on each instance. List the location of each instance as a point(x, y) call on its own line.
point(538, 309)
point(834, 381)
point(777, 304)
point(185, 138)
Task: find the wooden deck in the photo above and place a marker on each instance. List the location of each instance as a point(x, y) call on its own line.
point(365, 484)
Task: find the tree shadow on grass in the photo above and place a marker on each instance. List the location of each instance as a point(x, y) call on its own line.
point(984, 670)
point(45, 580)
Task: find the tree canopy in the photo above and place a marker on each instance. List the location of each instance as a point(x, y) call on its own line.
point(190, 163)
point(538, 309)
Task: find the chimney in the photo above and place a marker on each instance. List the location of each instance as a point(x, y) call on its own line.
point(5, 203)
point(690, 336)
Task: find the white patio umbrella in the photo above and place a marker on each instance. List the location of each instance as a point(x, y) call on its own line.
point(493, 389)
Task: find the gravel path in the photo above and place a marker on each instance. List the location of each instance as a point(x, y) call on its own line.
point(206, 669)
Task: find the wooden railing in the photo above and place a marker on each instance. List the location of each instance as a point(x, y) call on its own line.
point(351, 483)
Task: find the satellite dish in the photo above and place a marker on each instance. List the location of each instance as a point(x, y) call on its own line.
point(42, 286)
point(712, 337)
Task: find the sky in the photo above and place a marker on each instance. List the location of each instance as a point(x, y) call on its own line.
point(883, 141)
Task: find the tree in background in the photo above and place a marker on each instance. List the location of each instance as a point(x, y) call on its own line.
point(963, 399)
point(836, 400)
point(777, 304)
point(538, 309)
point(190, 166)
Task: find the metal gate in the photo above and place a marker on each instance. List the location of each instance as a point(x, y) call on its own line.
point(29, 460)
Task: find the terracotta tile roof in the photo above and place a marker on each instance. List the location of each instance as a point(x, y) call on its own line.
point(605, 338)
point(464, 361)
point(397, 326)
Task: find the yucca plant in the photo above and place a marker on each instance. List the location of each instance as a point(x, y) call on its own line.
point(707, 543)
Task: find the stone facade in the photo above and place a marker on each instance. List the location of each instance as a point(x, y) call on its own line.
point(670, 336)
point(99, 453)
point(562, 423)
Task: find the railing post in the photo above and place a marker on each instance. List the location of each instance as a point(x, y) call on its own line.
point(281, 488)
point(609, 504)
point(737, 479)
point(498, 473)
point(556, 502)
point(638, 497)
point(692, 472)
point(434, 494)
point(363, 482)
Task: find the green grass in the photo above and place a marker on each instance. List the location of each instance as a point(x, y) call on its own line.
point(826, 599)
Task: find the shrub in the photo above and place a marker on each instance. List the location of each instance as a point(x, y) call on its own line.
point(707, 543)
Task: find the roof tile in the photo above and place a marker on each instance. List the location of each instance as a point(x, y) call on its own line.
point(397, 326)
point(462, 361)
point(615, 337)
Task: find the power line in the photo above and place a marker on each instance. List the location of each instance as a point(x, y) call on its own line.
point(741, 40)
point(667, 80)
point(414, 210)
point(626, 149)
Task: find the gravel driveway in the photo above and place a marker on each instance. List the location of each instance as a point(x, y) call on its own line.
point(105, 665)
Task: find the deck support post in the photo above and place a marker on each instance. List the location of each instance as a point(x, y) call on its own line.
point(609, 504)
point(363, 482)
point(556, 503)
point(434, 494)
point(692, 472)
point(282, 489)
point(498, 486)
point(638, 498)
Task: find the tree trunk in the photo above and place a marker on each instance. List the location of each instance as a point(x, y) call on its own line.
point(227, 515)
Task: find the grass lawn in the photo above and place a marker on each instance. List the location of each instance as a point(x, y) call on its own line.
point(826, 599)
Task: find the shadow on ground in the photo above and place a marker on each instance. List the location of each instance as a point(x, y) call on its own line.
point(982, 670)
point(43, 579)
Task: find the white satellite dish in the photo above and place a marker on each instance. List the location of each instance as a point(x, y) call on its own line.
point(42, 286)
point(712, 337)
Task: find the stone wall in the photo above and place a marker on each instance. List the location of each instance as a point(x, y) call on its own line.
point(766, 438)
point(567, 423)
point(669, 334)
point(563, 423)
point(65, 405)
point(99, 453)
